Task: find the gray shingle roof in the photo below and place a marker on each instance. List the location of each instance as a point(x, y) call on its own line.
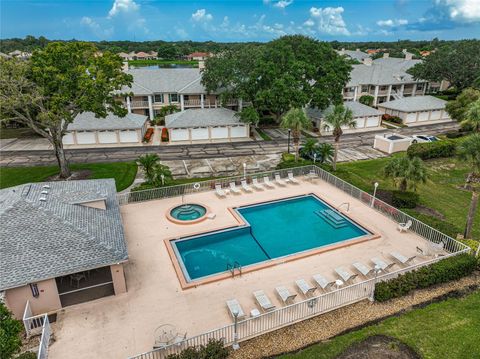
point(415, 103)
point(88, 122)
point(46, 239)
point(356, 55)
point(358, 110)
point(202, 118)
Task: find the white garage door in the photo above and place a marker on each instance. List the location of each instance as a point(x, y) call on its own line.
point(373, 121)
point(179, 134)
point(436, 115)
point(219, 132)
point(107, 137)
point(360, 122)
point(85, 138)
point(423, 116)
point(238, 131)
point(68, 139)
point(128, 136)
point(200, 133)
point(411, 117)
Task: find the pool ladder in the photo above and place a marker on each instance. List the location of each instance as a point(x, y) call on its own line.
point(235, 266)
point(345, 203)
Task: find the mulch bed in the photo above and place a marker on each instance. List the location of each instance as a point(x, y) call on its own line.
point(379, 347)
point(76, 175)
point(429, 212)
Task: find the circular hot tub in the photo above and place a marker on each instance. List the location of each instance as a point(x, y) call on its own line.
point(187, 213)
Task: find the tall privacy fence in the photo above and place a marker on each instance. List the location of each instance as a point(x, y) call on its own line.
point(310, 307)
point(38, 324)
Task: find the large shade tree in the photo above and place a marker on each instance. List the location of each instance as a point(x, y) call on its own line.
point(59, 82)
point(458, 108)
point(456, 62)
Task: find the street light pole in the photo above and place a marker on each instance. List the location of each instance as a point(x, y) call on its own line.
point(289, 131)
point(235, 345)
point(374, 194)
point(244, 170)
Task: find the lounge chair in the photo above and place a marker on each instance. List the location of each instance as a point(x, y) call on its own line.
point(257, 185)
point(344, 274)
point(246, 187)
point(363, 269)
point(263, 301)
point(266, 182)
point(322, 282)
point(431, 250)
point(304, 287)
point(403, 227)
point(279, 180)
point(219, 191)
point(285, 295)
point(312, 175)
point(235, 307)
point(382, 264)
point(234, 188)
point(401, 258)
point(292, 179)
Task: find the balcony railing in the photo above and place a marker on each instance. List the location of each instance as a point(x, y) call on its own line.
point(139, 104)
point(36, 324)
point(197, 103)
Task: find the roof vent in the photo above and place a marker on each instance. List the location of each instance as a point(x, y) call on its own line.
point(46, 186)
point(43, 199)
point(44, 192)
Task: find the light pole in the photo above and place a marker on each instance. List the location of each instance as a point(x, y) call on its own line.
point(244, 170)
point(163, 179)
point(289, 131)
point(235, 345)
point(314, 158)
point(374, 194)
point(376, 269)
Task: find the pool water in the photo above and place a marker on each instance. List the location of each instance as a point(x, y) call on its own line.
point(188, 212)
point(274, 230)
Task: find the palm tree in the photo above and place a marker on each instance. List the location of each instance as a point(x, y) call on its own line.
point(469, 151)
point(309, 147)
point(339, 117)
point(161, 175)
point(406, 172)
point(473, 116)
point(325, 152)
point(148, 162)
point(296, 120)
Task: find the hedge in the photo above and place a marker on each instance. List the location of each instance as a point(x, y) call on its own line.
point(404, 199)
point(446, 270)
point(213, 350)
point(432, 149)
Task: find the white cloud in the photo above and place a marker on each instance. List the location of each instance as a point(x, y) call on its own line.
point(282, 4)
point(328, 20)
point(392, 23)
point(201, 15)
point(96, 28)
point(461, 10)
point(123, 6)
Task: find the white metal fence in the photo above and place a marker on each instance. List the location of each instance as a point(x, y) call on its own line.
point(36, 324)
point(311, 307)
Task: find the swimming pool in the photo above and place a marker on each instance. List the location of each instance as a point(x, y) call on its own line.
point(273, 230)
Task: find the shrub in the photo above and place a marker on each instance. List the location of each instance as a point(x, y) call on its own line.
point(454, 134)
point(446, 270)
point(386, 117)
point(148, 135)
point(10, 329)
point(164, 136)
point(432, 149)
point(288, 157)
point(213, 350)
point(366, 100)
point(27, 355)
point(404, 199)
point(396, 119)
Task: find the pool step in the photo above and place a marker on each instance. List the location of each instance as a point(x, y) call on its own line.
point(332, 218)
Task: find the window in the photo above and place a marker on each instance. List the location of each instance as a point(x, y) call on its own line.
point(173, 97)
point(186, 97)
point(145, 98)
point(419, 87)
point(365, 88)
point(158, 98)
point(34, 289)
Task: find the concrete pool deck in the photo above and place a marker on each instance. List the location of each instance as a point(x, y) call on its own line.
point(124, 325)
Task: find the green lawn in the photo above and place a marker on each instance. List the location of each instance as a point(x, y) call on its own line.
point(263, 134)
point(441, 192)
point(444, 330)
point(123, 172)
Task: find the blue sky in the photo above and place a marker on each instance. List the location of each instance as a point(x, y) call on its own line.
point(247, 20)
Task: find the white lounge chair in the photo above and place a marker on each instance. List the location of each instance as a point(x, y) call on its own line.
point(235, 307)
point(401, 258)
point(266, 182)
point(382, 264)
point(219, 191)
point(312, 175)
point(285, 294)
point(344, 274)
point(263, 301)
point(322, 282)
point(279, 181)
point(234, 188)
point(292, 179)
point(304, 287)
point(362, 268)
point(257, 185)
point(246, 187)
point(403, 227)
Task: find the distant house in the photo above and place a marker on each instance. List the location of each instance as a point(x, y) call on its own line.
point(354, 55)
point(20, 54)
point(62, 243)
point(145, 55)
point(198, 56)
point(425, 53)
point(126, 56)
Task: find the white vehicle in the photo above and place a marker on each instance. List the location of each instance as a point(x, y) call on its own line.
point(424, 138)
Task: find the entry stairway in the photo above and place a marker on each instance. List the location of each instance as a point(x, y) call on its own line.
point(332, 217)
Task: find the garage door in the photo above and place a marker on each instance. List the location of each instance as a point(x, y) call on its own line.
point(423, 116)
point(219, 132)
point(128, 136)
point(200, 133)
point(238, 131)
point(373, 121)
point(436, 115)
point(68, 139)
point(179, 134)
point(411, 117)
point(360, 122)
point(85, 138)
point(107, 137)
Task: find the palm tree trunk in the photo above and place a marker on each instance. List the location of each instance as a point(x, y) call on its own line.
point(296, 141)
point(471, 214)
point(335, 154)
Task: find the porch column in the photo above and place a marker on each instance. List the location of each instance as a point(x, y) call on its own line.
point(355, 93)
point(74, 135)
point(129, 105)
point(375, 96)
point(240, 104)
point(216, 104)
point(402, 89)
point(96, 137)
point(150, 107)
point(182, 103)
point(117, 135)
point(414, 89)
point(118, 279)
point(389, 92)
point(202, 101)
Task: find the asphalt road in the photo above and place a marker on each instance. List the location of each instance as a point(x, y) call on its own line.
point(196, 151)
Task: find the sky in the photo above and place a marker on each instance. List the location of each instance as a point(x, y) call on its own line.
point(244, 20)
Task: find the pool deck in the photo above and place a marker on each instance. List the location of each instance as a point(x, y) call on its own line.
point(124, 325)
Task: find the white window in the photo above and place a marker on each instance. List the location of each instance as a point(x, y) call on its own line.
point(158, 98)
point(173, 97)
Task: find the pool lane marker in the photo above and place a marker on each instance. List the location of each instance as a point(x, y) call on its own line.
point(258, 243)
